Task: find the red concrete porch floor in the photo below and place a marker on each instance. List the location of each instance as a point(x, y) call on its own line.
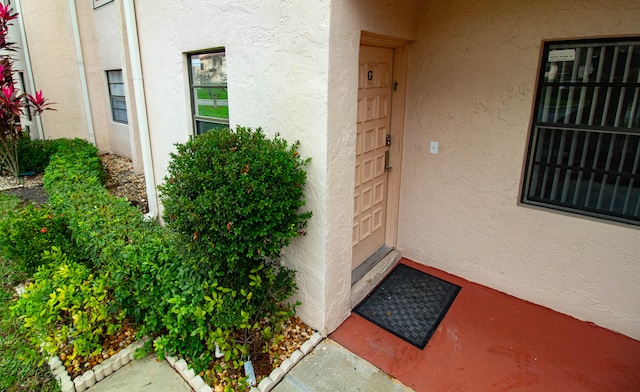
point(490, 341)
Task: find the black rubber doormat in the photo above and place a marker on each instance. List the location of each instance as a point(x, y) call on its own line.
point(409, 303)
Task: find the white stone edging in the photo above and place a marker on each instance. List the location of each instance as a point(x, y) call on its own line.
point(98, 373)
point(198, 385)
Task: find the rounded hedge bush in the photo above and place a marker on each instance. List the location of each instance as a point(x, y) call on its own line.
point(235, 196)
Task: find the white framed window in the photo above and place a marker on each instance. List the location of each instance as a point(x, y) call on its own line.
point(117, 96)
point(208, 86)
point(584, 146)
point(100, 3)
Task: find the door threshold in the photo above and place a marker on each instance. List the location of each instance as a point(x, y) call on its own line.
point(373, 275)
point(369, 263)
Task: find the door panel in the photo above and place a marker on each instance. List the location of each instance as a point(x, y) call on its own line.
point(370, 186)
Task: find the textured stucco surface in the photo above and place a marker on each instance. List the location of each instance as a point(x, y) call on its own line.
point(93, 53)
point(277, 72)
point(291, 68)
point(56, 72)
point(471, 85)
point(55, 66)
point(105, 52)
point(348, 19)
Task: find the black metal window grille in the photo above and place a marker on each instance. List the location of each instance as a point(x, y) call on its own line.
point(584, 148)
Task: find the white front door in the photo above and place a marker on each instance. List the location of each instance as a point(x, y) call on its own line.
point(372, 149)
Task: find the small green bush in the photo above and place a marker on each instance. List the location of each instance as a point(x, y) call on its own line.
point(26, 233)
point(67, 305)
point(110, 233)
point(235, 196)
point(74, 182)
point(82, 158)
point(202, 313)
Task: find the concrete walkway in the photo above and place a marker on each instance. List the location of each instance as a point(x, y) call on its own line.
point(329, 367)
point(144, 375)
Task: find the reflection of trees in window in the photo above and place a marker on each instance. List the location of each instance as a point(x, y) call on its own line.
point(212, 69)
point(209, 90)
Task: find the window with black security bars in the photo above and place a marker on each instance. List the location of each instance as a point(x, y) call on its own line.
point(584, 148)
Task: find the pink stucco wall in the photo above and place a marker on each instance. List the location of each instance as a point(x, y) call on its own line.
point(292, 68)
point(55, 67)
point(472, 75)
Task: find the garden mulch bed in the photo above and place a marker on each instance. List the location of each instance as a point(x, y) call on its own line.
point(122, 181)
point(112, 345)
point(294, 333)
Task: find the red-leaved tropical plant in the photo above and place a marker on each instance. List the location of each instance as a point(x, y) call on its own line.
point(13, 102)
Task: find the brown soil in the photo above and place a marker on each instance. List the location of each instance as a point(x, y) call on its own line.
point(123, 182)
point(294, 333)
point(112, 345)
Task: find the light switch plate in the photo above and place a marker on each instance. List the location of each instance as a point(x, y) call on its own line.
point(433, 148)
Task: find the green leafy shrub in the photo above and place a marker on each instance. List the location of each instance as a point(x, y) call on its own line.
point(34, 154)
point(165, 279)
point(82, 157)
point(19, 360)
point(27, 232)
point(143, 276)
point(234, 197)
point(67, 305)
point(109, 232)
point(99, 222)
point(203, 313)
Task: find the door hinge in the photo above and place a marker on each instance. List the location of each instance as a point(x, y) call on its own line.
point(395, 86)
point(388, 140)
